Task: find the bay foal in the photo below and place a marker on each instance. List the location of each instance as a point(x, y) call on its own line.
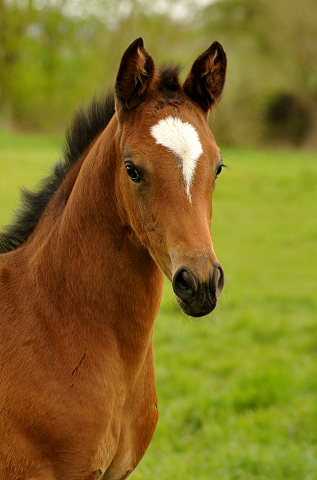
point(81, 272)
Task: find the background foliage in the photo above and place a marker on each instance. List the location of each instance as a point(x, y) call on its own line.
point(55, 54)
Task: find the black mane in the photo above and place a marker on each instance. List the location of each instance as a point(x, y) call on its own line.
point(169, 86)
point(88, 123)
point(169, 78)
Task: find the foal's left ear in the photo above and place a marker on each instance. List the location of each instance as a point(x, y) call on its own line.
point(206, 78)
point(135, 74)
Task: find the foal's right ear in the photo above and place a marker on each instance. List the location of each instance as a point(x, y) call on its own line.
point(205, 81)
point(135, 74)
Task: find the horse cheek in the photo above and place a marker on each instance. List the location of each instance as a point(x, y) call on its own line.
point(131, 216)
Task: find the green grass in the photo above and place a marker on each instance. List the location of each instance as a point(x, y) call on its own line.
point(24, 160)
point(237, 391)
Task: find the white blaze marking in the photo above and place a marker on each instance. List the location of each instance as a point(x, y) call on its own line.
point(183, 140)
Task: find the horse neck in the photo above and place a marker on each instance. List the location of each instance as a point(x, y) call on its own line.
point(92, 266)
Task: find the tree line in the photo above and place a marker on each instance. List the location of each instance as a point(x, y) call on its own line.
point(56, 54)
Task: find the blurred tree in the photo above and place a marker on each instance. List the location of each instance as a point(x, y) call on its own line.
point(8, 57)
point(55, 54)
point(273, 49)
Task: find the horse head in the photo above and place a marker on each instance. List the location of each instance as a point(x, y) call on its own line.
point(171, 162)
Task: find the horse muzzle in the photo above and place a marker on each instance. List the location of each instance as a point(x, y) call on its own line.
point(198, 297)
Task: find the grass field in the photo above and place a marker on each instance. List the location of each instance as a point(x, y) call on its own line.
point(238, 390)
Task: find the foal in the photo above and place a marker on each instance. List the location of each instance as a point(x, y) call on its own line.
point(81, 272)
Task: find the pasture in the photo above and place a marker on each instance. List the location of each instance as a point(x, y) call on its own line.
point(237, 390)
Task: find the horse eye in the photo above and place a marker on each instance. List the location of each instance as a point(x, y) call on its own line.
point(133, 172)
point(219, 169)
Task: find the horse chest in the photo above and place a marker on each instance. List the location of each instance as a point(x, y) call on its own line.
point(87, 418)
point(81, 437)
point(113, 443)
point(124, 421)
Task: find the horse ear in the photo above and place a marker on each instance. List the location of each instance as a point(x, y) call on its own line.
point(135, 75)
point(205, 81)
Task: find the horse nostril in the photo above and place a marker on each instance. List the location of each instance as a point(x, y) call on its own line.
point(184, 284)
point(218, 279)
